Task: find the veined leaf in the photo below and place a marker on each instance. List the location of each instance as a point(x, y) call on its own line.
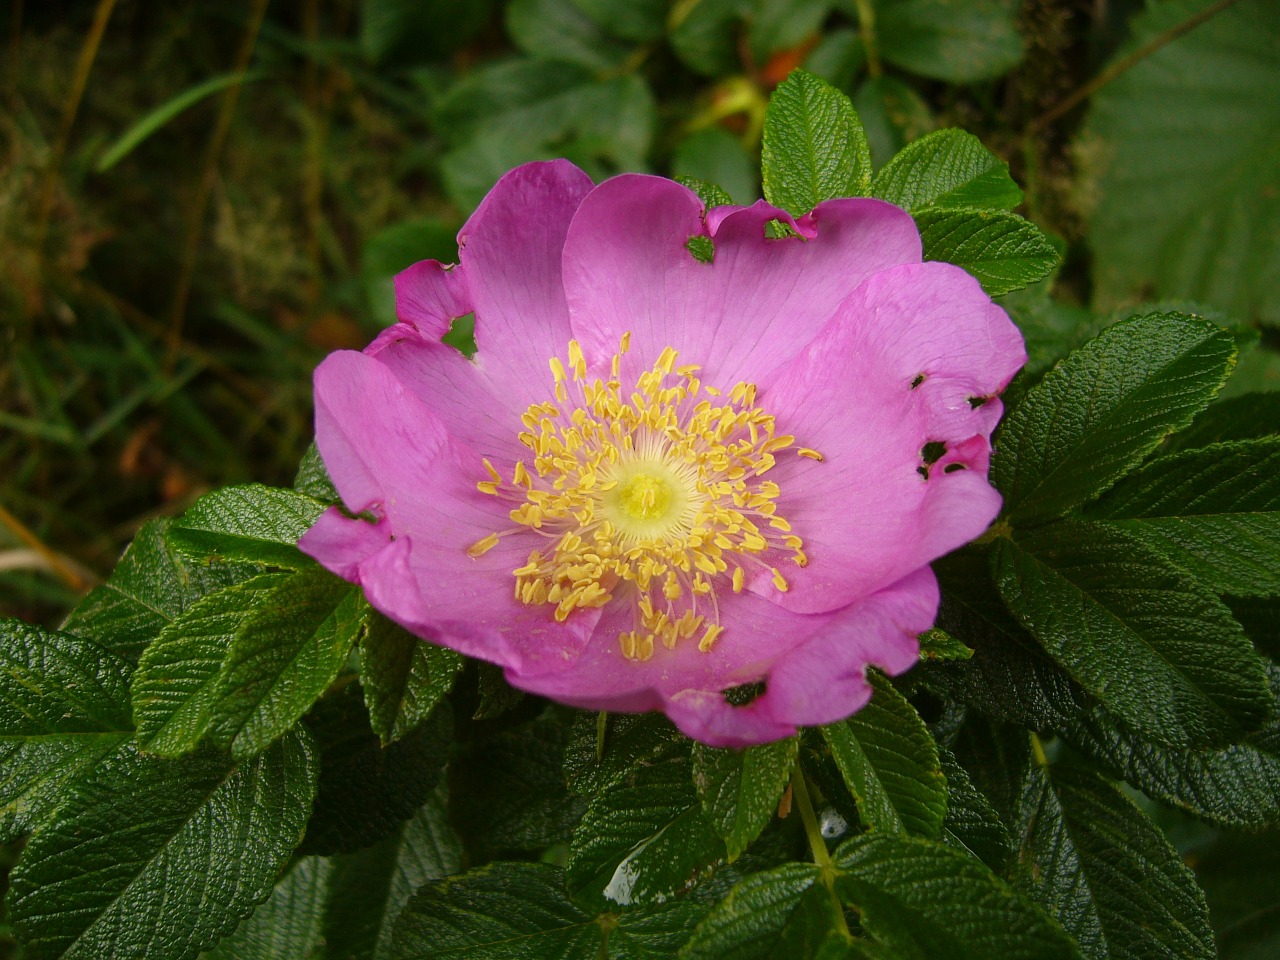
point(972, 823)
point(403, 676)
point(960, 42)
point(946, 169)
point(149, 588)
point(628, 739)
point(1098, 864)
point(923, 899)
point(750, 923)
point(814, 145)
point(1215, 512)
point(1003, 251)
point(519, 911)
point(890, 764)
point(251, 523)
point(1249, 416)
point(1151, 644)
point(290, 924)
point(173, 688)
point(283, 657)
point(159, 858)
point(63, 708)
point(1104, 408)
point(642, 838)
point(312, 479)
point(740, 788)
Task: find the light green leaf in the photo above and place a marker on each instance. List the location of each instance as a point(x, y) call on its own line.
point(939, 646)
point(64, 706)
point(960, 42)
point(159, 858)
point(282, 659)
point(174, 686)
point(890, 764)
point(814, 146)
point(740, 789)
point(1098, 413)
point(403, 676)
point(641, 839)
point(1112, 879)
point(149, 588)
point(947, 169)
point(1215, 512)
point(519, 911)
point(251, 523)
point(923, 899)
point(750, 922)
point(1152, 645)
point(1002, 250)
point(1185, 164)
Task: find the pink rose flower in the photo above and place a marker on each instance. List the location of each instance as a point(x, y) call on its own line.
point(660, 477)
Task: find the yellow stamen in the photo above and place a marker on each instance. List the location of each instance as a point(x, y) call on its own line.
point(482, 546)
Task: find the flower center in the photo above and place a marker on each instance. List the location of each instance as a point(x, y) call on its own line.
point(656, 496)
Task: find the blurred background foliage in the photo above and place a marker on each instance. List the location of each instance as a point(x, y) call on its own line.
point(199, 199)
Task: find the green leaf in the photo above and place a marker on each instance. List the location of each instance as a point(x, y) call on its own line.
point(1188, 199)
point(290, 924)
point(251, 523)
point(1103, 409)
point(960, 42)
point(814, 146)
point(63, 708)
point(413, 31)
point(927, 900)
point(783, 25)
point(174, 686)
point(838, 58)
point(1249, 416)
point(1215, 512)
point(972, 823)
point(890, 764)
point(312, 479)
point(703, 35)
point(740, 789)
point(159, 858)
point(1108, 874)
point(893, 115)
point(715, 155)
point(1238, 875)
point(403, 676)
point(283, 657)
point(519, 911)
point(947, 169)
point(384, 254)
point(642, 838)
point(629, 739)
point(558, 30)
point(1151, 644)
point(148, 589)
point(939, 646)
point(710, 195)
point(639, 20)
point(1003, 251)
point(749, 923)
point(366, 791)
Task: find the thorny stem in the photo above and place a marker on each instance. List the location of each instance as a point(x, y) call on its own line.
point(195, 219)
point(867, 28)
point(821, 856)
point(1126, 63)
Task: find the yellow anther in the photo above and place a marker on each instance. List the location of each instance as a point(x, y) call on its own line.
point(710, 637)
point(492, 470)
point(487, 486)
point(811, 454)
point(482, 546)
point(557, 369)
point(779, 580)
point(739, 579)
point(625, 345)
point(577, 363)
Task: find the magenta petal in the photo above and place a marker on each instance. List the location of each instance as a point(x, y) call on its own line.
point(627, 269)
point(341, 543)
point(430, 296)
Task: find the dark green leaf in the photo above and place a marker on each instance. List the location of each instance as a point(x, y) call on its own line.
point(251, 523)
point(938, 645)
point(643, 839)
point(497, 697)
point(714, 155)
point(1151, 644)
point(890, 763)
point(1246, 417)
point(972, 823)
point(740, 789)
point(960, 42)
point(893, 115)
point(814, 146)
point(519, 911)
point(629, 739)
point(64, 706)
point(928, 900)
point(947, 169)
point(1099, 412)
point(1238, 875)
point(473, 104)
point(838, 58)
point(1002, 250)
point(312, 479)
point(290, 924)
point(1188, 196)
point(413, 31)
point(558, 30)
point(1108, 874)
point(1260, 617)
point(704, 35)
point(1215, 512)
point(283, 657)
point(403, 676)
point(750, 922)
point(148, 588)
point(159, 858)
point(366, 791)
point(639, 20)
point(174, 687)
point(782, 25)
point(384, 254)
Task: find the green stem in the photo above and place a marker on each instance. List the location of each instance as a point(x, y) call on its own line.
point(821, 856)
point(602, 724)
point(1037, 750)
point(867, 27)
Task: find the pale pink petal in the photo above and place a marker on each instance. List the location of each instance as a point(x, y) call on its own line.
point(627, 269)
